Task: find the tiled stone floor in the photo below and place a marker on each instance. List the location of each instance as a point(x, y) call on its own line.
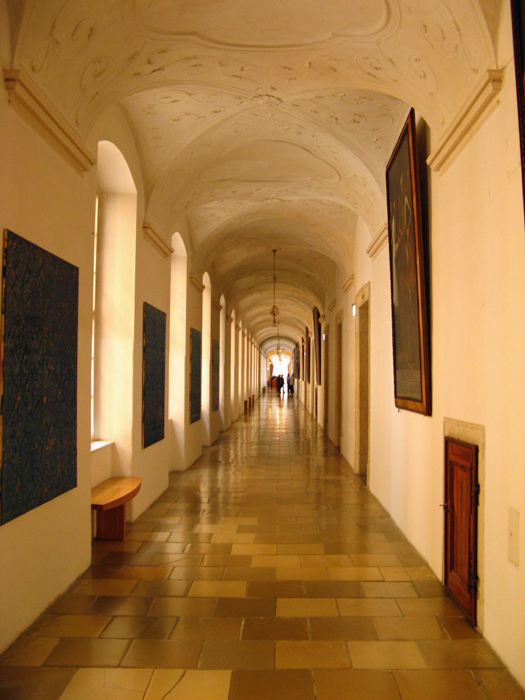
point(265, 572)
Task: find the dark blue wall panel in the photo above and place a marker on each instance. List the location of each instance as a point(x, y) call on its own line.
point(154, 375)
point(39, 377)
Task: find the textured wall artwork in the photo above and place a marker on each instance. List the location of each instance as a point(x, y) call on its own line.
point(39, 377)
point(195, 374)
point(153, 375)
point(215, 374)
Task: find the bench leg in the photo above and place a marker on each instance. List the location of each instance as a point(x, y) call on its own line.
point(111, 524)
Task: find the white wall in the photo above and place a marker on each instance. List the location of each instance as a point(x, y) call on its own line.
point(48, 203)
point(478, 372)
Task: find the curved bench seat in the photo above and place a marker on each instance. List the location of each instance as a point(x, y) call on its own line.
point(109, 500)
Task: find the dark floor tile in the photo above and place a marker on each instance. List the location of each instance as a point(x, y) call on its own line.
point(34, 683)
point(343, 628)
point(120, 605)
point(245, 607)
point(211, 628)
point(333, 589)
point(237, 655)
point(153, 653)
point(139, 628)
point(155, 589)
point(272, 685)
point(87, 652)
point(273, 628)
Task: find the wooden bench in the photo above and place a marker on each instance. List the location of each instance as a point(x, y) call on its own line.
point(109, 500)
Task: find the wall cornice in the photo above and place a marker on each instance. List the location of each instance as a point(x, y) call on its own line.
point(348, 283)
point(196, 283)
point(156, 241)
point(379, 242)
point(475, 110)
point(30, 103)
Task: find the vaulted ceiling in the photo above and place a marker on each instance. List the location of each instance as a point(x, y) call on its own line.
point(261, 124)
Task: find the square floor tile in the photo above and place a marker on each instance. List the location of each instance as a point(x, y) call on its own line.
point(70, 625)
point(306, 607)
point(342, 684)
point(218, 589)
point(408, 628)
point(272, 685)
point(236, 655)
point(139, 628)
point(437, 685)
point(498, 684)
point(28, 651)
point(106, 683)
point(189, 685)
point(277, 589)
point(245, 607)
point(155, 653)
point(182, 607)
point(88, 652)
point(385, 655)
point(216, 628)
point(343, 628)
point(459, 653)
point(33, 683)
point(380, 607)
point(273, 628)
point(311, 654)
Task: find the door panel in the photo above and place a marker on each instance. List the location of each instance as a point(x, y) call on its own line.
point(461, 517)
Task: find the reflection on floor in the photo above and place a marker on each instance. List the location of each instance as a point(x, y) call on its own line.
point(265, 572)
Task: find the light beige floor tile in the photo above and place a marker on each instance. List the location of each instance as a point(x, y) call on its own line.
point(306, 654)
point(375, 560)
point(388, 589)
point(326, 560)
point(278, 561)
point(139, 536)
point(189, 685)
point(300, 549)
point(252, 549)
point(355, 573)
point(218, 589)
point(385, 655)
point(395, 573)
point(306, 607)
point(108, 684)
point(438, 685)
point(459, 653)
point(408, 628)
point(429, 607)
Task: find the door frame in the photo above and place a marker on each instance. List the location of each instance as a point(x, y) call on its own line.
point(338, 394)
point(362, 298)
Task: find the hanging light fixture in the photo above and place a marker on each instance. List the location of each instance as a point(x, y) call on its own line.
point(274, 311)
point(279, 355)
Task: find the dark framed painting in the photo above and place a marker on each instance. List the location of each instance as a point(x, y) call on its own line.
point(38, 377)
point(407, 276)
point(153, 375)
point(195, 374)
point(215, 360)
point(518, 30)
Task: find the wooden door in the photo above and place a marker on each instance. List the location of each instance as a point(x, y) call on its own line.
point(338, 384)
point(461, 523)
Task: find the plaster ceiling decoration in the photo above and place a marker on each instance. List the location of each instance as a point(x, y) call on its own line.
point(260, 125)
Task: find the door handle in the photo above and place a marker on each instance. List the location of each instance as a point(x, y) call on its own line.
point(445, 507)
